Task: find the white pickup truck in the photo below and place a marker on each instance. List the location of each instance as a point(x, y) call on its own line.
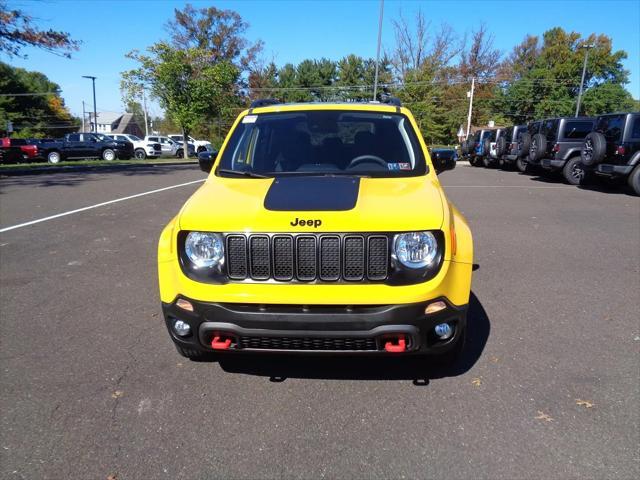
point(199, 145)
point(142, 149)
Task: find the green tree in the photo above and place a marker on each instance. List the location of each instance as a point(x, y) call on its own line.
point(545, 78)
point(187, 84)
point(34, 105)
point(17, 30)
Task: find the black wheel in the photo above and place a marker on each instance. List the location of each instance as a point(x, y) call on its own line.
point(54, 157)
point(522, 165)
point(108, 155)
point(140, 154)
point(634, 180)
point(501, 147)
point(574, 172)
point(538, 148)
point(486, 147)
point(487, 161)
point(474, 161)
point(524, 143)
point(179, 153)
point(594, 149)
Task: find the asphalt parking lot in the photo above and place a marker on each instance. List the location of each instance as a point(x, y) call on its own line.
point(91, 385)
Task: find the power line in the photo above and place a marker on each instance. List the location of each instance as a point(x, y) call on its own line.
point(28, 94)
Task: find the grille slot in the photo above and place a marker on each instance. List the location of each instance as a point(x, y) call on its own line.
point(237, 257)
point(307, 262)
point(353, 258)
point(308, 343)
point(377, 261)
point(329, 258)
point(260, 258)
point(283, 258)
point(307, 258)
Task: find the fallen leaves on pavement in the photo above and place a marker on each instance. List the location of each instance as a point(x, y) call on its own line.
point(584, 403)
point(544, 416)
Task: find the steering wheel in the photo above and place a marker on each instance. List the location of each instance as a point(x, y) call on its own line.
point(367, 159)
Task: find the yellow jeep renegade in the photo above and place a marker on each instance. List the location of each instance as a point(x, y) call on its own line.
point(322, 228)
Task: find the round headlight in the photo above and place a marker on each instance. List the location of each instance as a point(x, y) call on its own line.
point(204, 249)
point(416, 249)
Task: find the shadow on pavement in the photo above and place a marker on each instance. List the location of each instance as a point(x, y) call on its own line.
point(597, 184)
point(418, 369)
point(74, 178)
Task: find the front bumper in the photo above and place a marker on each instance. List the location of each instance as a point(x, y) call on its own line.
point(351, 329)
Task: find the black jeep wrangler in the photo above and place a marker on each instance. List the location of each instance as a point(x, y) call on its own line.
point(558, 145)
point(507, 145)
point(613, 148)
point(524, 146)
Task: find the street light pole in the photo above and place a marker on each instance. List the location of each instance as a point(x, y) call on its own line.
point(584, 71)
point(83, 115)
point(375, 81)
point(95, 110)
point(473, 85)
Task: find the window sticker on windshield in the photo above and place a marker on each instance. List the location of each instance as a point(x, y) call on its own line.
point(250, 119)
point(398, 166)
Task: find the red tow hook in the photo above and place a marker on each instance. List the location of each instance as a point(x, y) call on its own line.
point(218, 343)
point(399, 347)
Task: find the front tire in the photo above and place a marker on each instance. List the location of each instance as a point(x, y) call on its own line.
point(574, 172)
point(54, 157)
point(522, 165)
point(634, 180)
point(108, 155)
point(140, 154)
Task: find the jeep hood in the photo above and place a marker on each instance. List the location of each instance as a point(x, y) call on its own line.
point(341, 204)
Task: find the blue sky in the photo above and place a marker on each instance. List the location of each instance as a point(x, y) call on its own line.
point(295, 30)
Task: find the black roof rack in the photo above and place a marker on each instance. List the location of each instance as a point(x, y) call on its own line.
point(264, 102)
point(386, 98)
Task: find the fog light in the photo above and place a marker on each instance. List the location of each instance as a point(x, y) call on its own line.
point(181, 328)
point(444, 331)
point(435, 307)
point(185, 305)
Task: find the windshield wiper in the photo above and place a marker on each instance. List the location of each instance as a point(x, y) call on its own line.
point(241, 173)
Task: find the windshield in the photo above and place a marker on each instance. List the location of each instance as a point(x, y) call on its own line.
point(324, 143)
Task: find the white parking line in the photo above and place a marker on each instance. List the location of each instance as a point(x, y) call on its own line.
point(71, 212)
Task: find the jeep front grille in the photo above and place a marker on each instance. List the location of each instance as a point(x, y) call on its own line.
point(308, 257)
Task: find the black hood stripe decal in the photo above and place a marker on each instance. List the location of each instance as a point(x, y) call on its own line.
point(310, 194)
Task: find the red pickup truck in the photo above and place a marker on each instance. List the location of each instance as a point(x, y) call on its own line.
point(29, 151)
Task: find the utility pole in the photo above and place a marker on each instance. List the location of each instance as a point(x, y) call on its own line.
point(95, 110)
point(146, 122)
point(375, 81)
point(584, 71)
point(470, 94)
point(83, 115)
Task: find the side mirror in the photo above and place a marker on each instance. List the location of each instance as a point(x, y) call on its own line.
point(205, 160)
